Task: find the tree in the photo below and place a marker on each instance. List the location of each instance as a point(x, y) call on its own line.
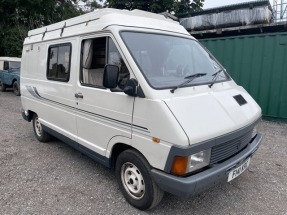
point(186, 6)
point(90, 5)
point(17, 17)
point(157, 6)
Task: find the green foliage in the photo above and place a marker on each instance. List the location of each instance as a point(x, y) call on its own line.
point(19, 16)
point(90, 5)
point(157, 6)
point(11, 40)
point(149, 5)
point(185, 6)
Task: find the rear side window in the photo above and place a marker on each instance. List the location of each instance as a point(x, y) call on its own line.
point(59, 58)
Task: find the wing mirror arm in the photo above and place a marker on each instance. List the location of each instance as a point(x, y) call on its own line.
point(131, 87)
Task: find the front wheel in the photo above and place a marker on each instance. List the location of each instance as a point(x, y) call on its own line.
point(41, 135)
point(2, 86)
point(135, 182)
point(16, 88)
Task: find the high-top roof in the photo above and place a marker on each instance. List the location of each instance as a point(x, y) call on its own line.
point(101, 19)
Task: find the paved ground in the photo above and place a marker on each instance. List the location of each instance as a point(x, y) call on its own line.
point(54, 178)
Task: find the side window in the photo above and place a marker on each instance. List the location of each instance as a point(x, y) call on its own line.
point(59, 57)
point(114, 58)
point(93, 61)
point(6, 65)
point(96, 53)
point(14, 65)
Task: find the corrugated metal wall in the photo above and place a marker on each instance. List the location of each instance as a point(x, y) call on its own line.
point(259, 64)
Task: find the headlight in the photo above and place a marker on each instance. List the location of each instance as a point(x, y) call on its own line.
point(184, 165)
point(199, 160)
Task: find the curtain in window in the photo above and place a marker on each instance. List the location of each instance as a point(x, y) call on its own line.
point(87, 58)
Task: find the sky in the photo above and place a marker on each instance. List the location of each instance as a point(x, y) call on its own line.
point(219, 3)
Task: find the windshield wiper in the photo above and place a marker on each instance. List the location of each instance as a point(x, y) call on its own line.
point(190, 79)
point(216, 75)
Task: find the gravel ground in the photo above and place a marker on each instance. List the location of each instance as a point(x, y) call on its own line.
point(53, 178)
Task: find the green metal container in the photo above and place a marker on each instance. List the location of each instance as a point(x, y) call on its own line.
point(259, 64)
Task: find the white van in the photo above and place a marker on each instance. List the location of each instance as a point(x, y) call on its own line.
point(134, 91)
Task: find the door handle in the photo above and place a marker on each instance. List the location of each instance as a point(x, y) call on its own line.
point(79, 95)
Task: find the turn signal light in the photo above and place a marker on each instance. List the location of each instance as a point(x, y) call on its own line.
point(179, 166)
point(156, 140)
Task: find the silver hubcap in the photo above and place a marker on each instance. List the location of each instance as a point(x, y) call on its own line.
point(38, 127)
point(133, 180)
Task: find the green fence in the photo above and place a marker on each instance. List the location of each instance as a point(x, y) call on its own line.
point(259, 64)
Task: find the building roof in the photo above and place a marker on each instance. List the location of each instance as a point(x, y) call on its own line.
point(241, 30)
point(244, 5)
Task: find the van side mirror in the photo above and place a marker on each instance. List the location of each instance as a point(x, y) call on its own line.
point(131, 87)
point(111, 75)
point(6, 65)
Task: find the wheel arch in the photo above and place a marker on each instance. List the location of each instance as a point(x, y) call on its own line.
point(13, 80)
point(118, 147)
point(30, 115)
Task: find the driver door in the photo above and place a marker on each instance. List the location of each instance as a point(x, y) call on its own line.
point(101, 113)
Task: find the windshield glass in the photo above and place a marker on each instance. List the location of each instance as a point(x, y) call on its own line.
point(167, 60)
point(14, 65)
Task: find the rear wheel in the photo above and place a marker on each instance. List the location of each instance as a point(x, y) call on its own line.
point(41, 135)
point(16, 88)
point(135, 182)
point(2, 86)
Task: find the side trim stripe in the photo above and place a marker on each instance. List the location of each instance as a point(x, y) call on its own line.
point(33, 91)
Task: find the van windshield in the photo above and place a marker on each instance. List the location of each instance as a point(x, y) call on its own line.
point(166, 61)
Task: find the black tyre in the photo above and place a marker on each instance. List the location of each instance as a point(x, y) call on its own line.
point(16, 88)
point(41, 135)
point(2, 86)
point(134, 179)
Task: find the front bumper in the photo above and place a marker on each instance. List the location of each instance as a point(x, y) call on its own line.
point(197, 183)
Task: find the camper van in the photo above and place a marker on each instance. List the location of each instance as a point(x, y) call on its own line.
point(134, 91)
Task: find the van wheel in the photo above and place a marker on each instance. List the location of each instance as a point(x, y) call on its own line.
point(2, 86)
point(41, 135)
point(16, 88)
point(135, 182)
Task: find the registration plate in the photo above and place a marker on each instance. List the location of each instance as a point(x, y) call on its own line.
point(239, 170)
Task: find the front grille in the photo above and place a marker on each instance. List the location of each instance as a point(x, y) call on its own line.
point(225, 150)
